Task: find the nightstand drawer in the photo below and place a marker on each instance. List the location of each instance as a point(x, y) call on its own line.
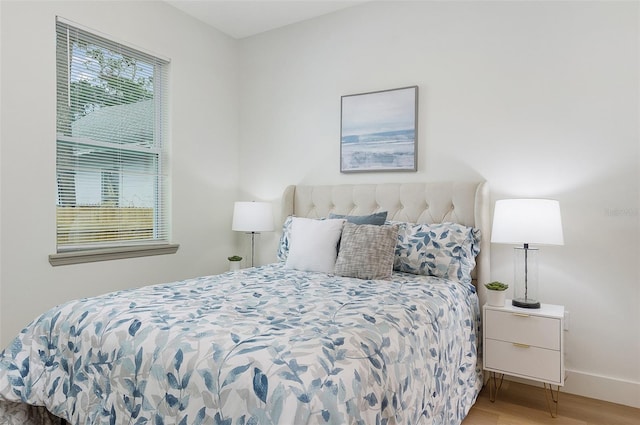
point(523, 328)
point(522, 360)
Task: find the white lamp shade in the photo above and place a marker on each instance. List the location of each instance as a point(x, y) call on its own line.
point(527, 221)
point(252, 217)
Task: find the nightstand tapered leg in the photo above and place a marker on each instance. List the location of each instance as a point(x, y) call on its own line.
point(552, 399)
point(495, 384)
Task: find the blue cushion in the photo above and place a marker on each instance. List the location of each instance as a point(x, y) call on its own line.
point(376, 218)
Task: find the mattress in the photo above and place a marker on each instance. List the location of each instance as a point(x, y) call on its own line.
point(267, 345)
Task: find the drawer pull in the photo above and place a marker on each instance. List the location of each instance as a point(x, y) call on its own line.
point(520, 314)
point(516, 344)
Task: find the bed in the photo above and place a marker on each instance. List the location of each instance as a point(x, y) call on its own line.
point(283, 343)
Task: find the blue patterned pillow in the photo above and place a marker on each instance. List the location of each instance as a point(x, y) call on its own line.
point(283, 246)
point(446, 250)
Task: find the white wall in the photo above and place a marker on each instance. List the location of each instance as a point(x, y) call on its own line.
point(204, 133)
point(538, 98)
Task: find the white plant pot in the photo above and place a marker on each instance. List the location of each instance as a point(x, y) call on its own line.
point(234, 265)
point(496, 298)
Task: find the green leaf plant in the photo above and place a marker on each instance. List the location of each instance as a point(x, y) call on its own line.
point(496, 286)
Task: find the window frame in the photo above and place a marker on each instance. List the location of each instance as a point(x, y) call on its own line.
point(95, 250)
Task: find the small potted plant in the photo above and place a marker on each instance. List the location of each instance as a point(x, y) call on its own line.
point(234, 262)
point(496, 293)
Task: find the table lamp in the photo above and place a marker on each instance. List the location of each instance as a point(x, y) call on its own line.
point(524, 222)
point(252, 218)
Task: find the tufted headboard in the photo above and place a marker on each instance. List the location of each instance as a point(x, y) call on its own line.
point(458, 202)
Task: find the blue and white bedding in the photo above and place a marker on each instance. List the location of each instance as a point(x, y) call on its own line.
point(258, 346)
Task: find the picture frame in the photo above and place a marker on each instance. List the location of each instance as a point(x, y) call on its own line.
point(379, 131)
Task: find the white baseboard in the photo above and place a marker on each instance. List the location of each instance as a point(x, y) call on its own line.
point(605, 388)
point(614, 390)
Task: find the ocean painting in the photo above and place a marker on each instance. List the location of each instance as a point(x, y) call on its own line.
point(379, 131)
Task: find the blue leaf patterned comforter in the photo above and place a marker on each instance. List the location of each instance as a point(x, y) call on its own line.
point(259, 346)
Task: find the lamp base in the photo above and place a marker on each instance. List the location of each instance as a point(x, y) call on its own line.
point(525, 303)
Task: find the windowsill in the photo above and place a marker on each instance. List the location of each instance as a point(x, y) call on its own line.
point(90, 256)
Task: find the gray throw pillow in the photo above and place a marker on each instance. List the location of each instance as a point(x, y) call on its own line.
point(366, 251)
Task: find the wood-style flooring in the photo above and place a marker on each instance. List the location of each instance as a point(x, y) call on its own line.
point(520, 404)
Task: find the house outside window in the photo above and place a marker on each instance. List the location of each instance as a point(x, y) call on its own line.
point(111, 147)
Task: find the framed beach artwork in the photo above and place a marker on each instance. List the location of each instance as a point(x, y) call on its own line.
point(379, 131)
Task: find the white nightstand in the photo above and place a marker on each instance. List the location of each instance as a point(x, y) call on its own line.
point(525, 343)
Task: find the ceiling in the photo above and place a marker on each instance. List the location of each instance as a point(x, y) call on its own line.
point(243, 18)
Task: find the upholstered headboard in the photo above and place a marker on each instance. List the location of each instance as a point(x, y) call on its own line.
point(458, 202)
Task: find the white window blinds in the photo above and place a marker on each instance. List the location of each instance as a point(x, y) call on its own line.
point(110, 143)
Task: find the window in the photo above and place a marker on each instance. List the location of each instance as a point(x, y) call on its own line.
point(112, 180)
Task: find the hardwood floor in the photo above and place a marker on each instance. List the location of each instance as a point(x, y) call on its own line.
point(519, 404)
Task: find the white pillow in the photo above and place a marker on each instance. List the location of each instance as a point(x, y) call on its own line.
point(314, 244)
